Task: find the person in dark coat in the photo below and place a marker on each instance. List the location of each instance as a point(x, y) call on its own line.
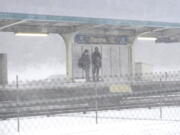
point(84, 63)
point(96, 64)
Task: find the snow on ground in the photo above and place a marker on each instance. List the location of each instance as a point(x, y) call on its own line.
point(123, 122)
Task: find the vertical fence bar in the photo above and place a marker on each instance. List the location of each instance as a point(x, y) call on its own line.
point(17, 101)
point(96, 104)
point(119, 60)
point(160, 109)
point(91, 68)
point(102, 74)
point(110, 56)
point(161, 113)
point(82, 72)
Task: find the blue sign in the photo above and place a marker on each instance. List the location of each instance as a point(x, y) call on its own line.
point(101, 39)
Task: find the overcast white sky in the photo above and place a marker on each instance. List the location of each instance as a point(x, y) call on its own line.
point(162, 10)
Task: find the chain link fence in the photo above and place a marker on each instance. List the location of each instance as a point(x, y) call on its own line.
point(125, 104)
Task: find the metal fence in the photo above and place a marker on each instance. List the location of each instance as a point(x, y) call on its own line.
point(28, 107)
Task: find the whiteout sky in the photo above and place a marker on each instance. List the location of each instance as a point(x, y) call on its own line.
point(161, 10)
point(40, 57)
point(33, 58)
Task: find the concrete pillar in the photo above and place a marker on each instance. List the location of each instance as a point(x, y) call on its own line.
point(3, 69)
point(131, 59)
point(69, 42)
point(131, 54)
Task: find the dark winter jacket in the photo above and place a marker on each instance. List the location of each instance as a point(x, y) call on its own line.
point(96, 59)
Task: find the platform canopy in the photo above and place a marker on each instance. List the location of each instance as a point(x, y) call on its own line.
point(35, 23)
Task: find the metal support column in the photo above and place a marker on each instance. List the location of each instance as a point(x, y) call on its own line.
point(96, 104)
point(17, 102)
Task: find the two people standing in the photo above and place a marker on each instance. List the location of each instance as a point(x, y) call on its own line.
point(85, 62)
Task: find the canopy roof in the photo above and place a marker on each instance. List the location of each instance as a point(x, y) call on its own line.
point(35, 23)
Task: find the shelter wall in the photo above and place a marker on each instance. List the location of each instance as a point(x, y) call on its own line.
point(116, 59)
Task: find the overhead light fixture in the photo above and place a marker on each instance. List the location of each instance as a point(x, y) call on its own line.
point(147, 38)
point(32, 34)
